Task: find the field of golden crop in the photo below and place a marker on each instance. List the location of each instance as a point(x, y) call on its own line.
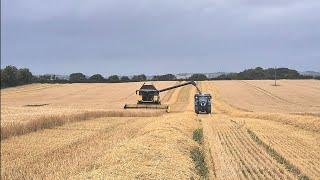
point(34, 101)
point(256, 131)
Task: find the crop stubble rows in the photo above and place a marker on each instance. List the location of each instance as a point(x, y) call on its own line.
point(296, 143)
point(155, 147)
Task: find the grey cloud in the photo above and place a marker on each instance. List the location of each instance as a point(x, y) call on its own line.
point(102, 36)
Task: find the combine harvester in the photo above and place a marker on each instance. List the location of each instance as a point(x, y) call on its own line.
point(150, 98)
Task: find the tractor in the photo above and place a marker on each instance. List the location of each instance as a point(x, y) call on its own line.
point(202, 103)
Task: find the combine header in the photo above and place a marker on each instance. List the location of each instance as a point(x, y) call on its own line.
point(150, 96)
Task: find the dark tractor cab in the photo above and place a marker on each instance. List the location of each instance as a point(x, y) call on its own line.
point(202, 103)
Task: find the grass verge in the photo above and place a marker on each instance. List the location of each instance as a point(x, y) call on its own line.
point(17, 128)
point(198, 135)
point(198, 156)
point(275, 155)
point(199, 161)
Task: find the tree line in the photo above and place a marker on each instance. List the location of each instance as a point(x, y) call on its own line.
point(97, 78)
point(12, 76)
point(259, 73)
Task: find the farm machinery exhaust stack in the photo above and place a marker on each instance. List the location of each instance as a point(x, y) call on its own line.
point(150, 98)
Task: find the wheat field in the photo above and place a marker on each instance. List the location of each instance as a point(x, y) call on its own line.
point(256, 131)
point(30, 102)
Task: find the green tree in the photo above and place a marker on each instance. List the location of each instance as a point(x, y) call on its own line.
point(2, 80)
point(166, 77)
point(285, 73)
point(198, 77)
point(44, 78)
point(260, 73)
point(77, 77)
point(114, 78)
point(138, 78)
point(125, 79)
point(24, 76)
point(9, 76)
point(97, 78)
point(257, 73)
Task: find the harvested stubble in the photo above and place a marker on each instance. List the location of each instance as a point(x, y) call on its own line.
point(292, 96)
point(122, 148)
point(297, 145)
point(160, 150)
point(293, 137)
point(224, 105)
point(236, 155)
point(278, 157)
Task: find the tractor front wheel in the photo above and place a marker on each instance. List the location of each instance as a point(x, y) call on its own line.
point(209, 110)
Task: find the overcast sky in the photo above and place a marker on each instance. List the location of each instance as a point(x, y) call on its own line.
point(155, 37)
